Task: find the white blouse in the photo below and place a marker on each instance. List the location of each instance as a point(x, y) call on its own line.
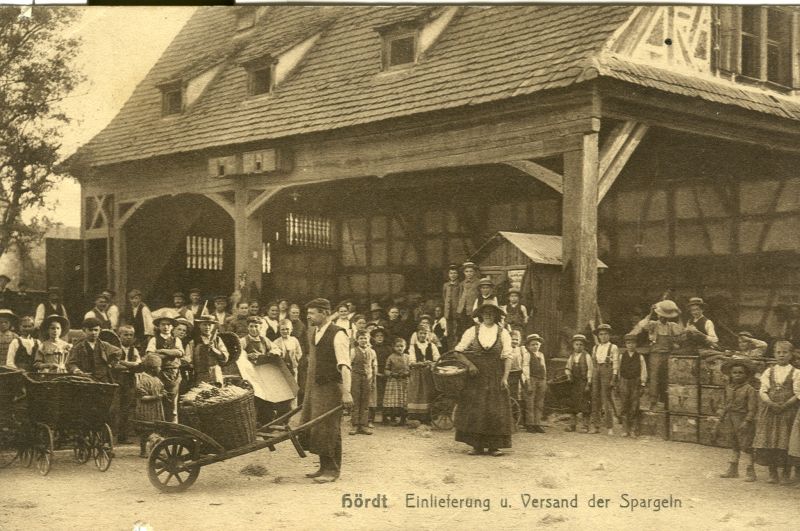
point(487, 336)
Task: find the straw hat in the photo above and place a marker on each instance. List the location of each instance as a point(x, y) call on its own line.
point(206, 319)
point(729, 364)
point(491, 304)
point(667, 309)
point(11, 316)
point(63, 321)
point(165, 314)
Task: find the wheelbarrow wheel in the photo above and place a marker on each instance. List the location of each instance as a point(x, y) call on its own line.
point(44, 449)
point(442, 413)
point(104, 448)
point(166, 467)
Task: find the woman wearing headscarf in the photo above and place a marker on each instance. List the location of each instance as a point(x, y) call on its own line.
point(483, 416)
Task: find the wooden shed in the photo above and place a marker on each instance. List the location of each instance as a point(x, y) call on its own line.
point(531, 262)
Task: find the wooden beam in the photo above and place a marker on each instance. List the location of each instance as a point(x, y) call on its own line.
point(539, 172)
point(247, 246)
point(616, 152)
point(261, 199)
point(223, 202)
point(123, 219)
point(579, 233)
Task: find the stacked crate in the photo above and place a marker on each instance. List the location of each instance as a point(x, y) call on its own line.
point(683, 398)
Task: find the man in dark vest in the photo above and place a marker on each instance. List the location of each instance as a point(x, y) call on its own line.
point(100, 311)
point(700, 330)
point(138, 315)
point(53, 306)
point(327, 387)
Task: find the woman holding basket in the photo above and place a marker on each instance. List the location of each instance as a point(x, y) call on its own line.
point(483, 415)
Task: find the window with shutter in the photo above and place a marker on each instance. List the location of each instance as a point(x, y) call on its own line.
point(759, 44)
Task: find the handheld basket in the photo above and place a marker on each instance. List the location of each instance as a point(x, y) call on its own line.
point(449, 377)
point(231, 423)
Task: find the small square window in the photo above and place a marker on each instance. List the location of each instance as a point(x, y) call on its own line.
point(260, 80)
point(245, 18)
point(171, 101)
point(401, 51)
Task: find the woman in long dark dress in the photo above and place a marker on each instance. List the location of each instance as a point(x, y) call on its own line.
point(483, 415)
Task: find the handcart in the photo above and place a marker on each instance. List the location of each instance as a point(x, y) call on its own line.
point(174, 462)
point(14, 426)
point(69, 410)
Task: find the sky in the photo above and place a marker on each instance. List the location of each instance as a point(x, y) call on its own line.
point(120, 44)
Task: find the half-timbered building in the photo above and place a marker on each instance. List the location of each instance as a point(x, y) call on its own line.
point(356, 151)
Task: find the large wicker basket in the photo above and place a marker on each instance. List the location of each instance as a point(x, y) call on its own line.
point(61, 400)
point(231, 423)
point(11, 381)
point(450, 384)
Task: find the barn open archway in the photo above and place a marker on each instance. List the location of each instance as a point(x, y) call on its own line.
point(177, 243)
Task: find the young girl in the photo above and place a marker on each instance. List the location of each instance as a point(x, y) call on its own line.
point(150, 396)
point(22, 350)
point(534, 379)
point(397, 372)
point(421, 356)
point(53, 355)
point(780, 385)
point(741, 404)
point(289, 346)
point(382, 352)
point(579, 372)
point(364, 365)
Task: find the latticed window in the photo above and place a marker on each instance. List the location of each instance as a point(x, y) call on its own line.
point(303, 230)
point(203, 252)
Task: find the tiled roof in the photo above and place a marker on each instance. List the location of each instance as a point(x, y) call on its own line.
point(486, 54)
point(709, 89)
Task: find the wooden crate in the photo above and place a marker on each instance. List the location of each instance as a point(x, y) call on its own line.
point(684, 370)
point(683, 399)
point(712, 399)
point(654, 424)
point(683, 428)
point(706, 428)
point(711, 372)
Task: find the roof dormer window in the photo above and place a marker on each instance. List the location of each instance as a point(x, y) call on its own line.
point(399, 50)
point(259, 80)
point(245, 18)
point(171, 98)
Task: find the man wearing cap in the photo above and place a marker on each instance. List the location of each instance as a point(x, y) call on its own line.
point(469, 292)
point(137, 314)
point(534, 379)
point(327, 387)
point(197, 305)
point(516, 312)
point(580, 372)
point(52, 306)
point(376, 315)
point(665, 336)
point(94, 356)
point(630, 377)
point(221, 313)
point(113, 310)
point(451, 294)
point(700, 330)
point(207, 353)
point(605, 360)
point(99, 312)
point(179, 305)
point(749, 346)
point(170, 349)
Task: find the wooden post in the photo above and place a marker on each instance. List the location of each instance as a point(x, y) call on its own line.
point(579, 233)
point(247, 251)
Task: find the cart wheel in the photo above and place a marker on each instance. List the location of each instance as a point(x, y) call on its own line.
point(26, 456)
point(104, 450)
point(44, 449)
point(442, 413)
point(165, 466)
point(81, 451)
point(516, 413)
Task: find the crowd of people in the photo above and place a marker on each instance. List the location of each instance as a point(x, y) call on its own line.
point(293, 354)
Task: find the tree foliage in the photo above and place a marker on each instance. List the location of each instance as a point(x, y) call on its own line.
point(36, 73)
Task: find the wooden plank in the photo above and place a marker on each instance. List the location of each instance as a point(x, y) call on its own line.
point(261, 199)
point(539, 172)
point(123, 219)
point(247, 247)
point(616, 152)
point(223, 203)
point(581, 175)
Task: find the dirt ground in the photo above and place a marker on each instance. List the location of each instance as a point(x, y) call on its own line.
point(397, 462)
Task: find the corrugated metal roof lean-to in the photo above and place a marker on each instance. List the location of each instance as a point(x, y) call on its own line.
point(540, 248)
